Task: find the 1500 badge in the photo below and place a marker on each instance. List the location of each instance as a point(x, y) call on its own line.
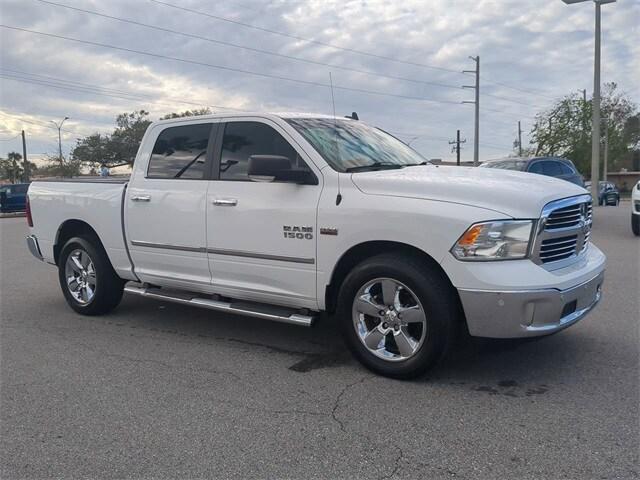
point(294, 231)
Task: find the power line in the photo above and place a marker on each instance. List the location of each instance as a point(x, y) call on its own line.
point(231, 69)
point(40, 123)
point(252, 49)
point(97, 90)
point(517, 89)
point(303, 39)
point(9, 139)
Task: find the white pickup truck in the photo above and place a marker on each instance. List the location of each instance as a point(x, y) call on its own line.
point(285, 216)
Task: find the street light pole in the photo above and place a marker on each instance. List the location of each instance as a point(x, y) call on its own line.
point(59, 127)
point(595, 119)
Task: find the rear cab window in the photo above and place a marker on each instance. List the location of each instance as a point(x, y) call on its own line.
point(181, 152)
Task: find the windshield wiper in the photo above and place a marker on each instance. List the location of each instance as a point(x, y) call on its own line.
point(374, 166)
point(426, 162)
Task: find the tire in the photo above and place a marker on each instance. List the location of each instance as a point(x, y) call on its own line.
point(84, 259)
point(635, 224)
point(416, 288)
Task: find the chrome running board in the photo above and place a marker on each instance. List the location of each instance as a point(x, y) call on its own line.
point(250, 309)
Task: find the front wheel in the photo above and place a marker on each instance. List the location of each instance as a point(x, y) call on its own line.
point(397, 315)
point(88, 281)
point(635, 224)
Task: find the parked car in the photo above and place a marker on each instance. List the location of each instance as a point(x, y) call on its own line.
point(635, 210)
point(13, 198)
point(281, 217)
point(550, 166)
point(608, 193)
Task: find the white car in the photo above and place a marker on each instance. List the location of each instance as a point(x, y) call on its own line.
point(635, 210)
point(284, 216)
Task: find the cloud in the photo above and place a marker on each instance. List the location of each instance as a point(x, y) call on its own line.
point(540, 46)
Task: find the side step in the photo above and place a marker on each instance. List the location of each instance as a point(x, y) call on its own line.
point(250, 309)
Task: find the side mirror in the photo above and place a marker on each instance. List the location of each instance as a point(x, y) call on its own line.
point(269, 168)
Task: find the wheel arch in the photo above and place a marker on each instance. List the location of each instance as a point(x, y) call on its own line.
point(73, 228)
point(365, 250)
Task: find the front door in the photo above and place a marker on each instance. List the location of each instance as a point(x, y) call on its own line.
point(165, 208)
point(261, 235)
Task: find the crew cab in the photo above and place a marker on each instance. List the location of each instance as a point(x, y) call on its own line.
point(284, 216)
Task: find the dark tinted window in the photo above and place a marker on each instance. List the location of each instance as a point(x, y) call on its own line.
point(20, 188)
point(551, 168)
point(243, 139)
point(566, 169)
point(180, 152)
point(536, 167)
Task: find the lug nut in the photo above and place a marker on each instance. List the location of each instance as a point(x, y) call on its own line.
point(385, 325)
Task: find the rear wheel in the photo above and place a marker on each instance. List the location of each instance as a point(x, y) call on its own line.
point(397, 315)
point(635, 224)
point(88, 281)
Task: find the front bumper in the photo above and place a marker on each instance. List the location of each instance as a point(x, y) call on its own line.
point(34, 247)
point(529, 313)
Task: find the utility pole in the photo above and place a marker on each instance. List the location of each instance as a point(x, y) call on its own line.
point(476, 129)
point(59, 127)
point(456, 147)
point(606, 149)
point(519, 140)
point(24, 159)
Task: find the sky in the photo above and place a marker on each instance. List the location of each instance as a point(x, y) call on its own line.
point(397, 64)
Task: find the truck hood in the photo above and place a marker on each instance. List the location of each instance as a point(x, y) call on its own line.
point(516, 194)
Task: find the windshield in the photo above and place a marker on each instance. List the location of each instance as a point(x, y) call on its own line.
point(519, 165)
point(349, 145)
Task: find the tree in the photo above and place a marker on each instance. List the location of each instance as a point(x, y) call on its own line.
point(565, 129)
point(12, 167)
point(69, 168)
point(113, 150)
point(120, 147)
point(188, 113)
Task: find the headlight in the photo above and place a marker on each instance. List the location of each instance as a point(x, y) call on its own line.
point(500, 240)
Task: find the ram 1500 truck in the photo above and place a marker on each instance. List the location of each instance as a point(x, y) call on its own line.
point(285, 216)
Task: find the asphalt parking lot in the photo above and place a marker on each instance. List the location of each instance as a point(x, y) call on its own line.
point(165, 391)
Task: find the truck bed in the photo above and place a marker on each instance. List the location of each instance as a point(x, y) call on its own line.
point(96, 201)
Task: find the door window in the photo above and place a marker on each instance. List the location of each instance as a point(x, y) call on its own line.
point(536, 168)
point(243, 139)
point(566, 169)
point(551, 168)
point(180, 152)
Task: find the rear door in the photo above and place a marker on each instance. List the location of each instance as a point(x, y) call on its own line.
point(261, 235)
point(165, 207)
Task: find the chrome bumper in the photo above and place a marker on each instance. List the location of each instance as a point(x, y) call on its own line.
point(34, 248)
point(528, 313)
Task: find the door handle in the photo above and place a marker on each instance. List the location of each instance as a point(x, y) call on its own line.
point(141, 198)
point(225, 202)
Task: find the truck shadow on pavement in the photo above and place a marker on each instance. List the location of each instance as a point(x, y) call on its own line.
point(502, 366)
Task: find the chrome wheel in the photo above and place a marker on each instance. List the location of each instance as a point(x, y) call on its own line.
point(81, 276)
point(389, 319)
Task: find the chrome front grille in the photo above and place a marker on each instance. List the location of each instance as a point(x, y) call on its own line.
point(553, 249)
point(570, 216)
point(563, 231)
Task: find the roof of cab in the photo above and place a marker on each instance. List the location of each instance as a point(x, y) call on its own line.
point(271, 115)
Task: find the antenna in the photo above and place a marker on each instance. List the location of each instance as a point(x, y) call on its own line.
point(335, 128)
